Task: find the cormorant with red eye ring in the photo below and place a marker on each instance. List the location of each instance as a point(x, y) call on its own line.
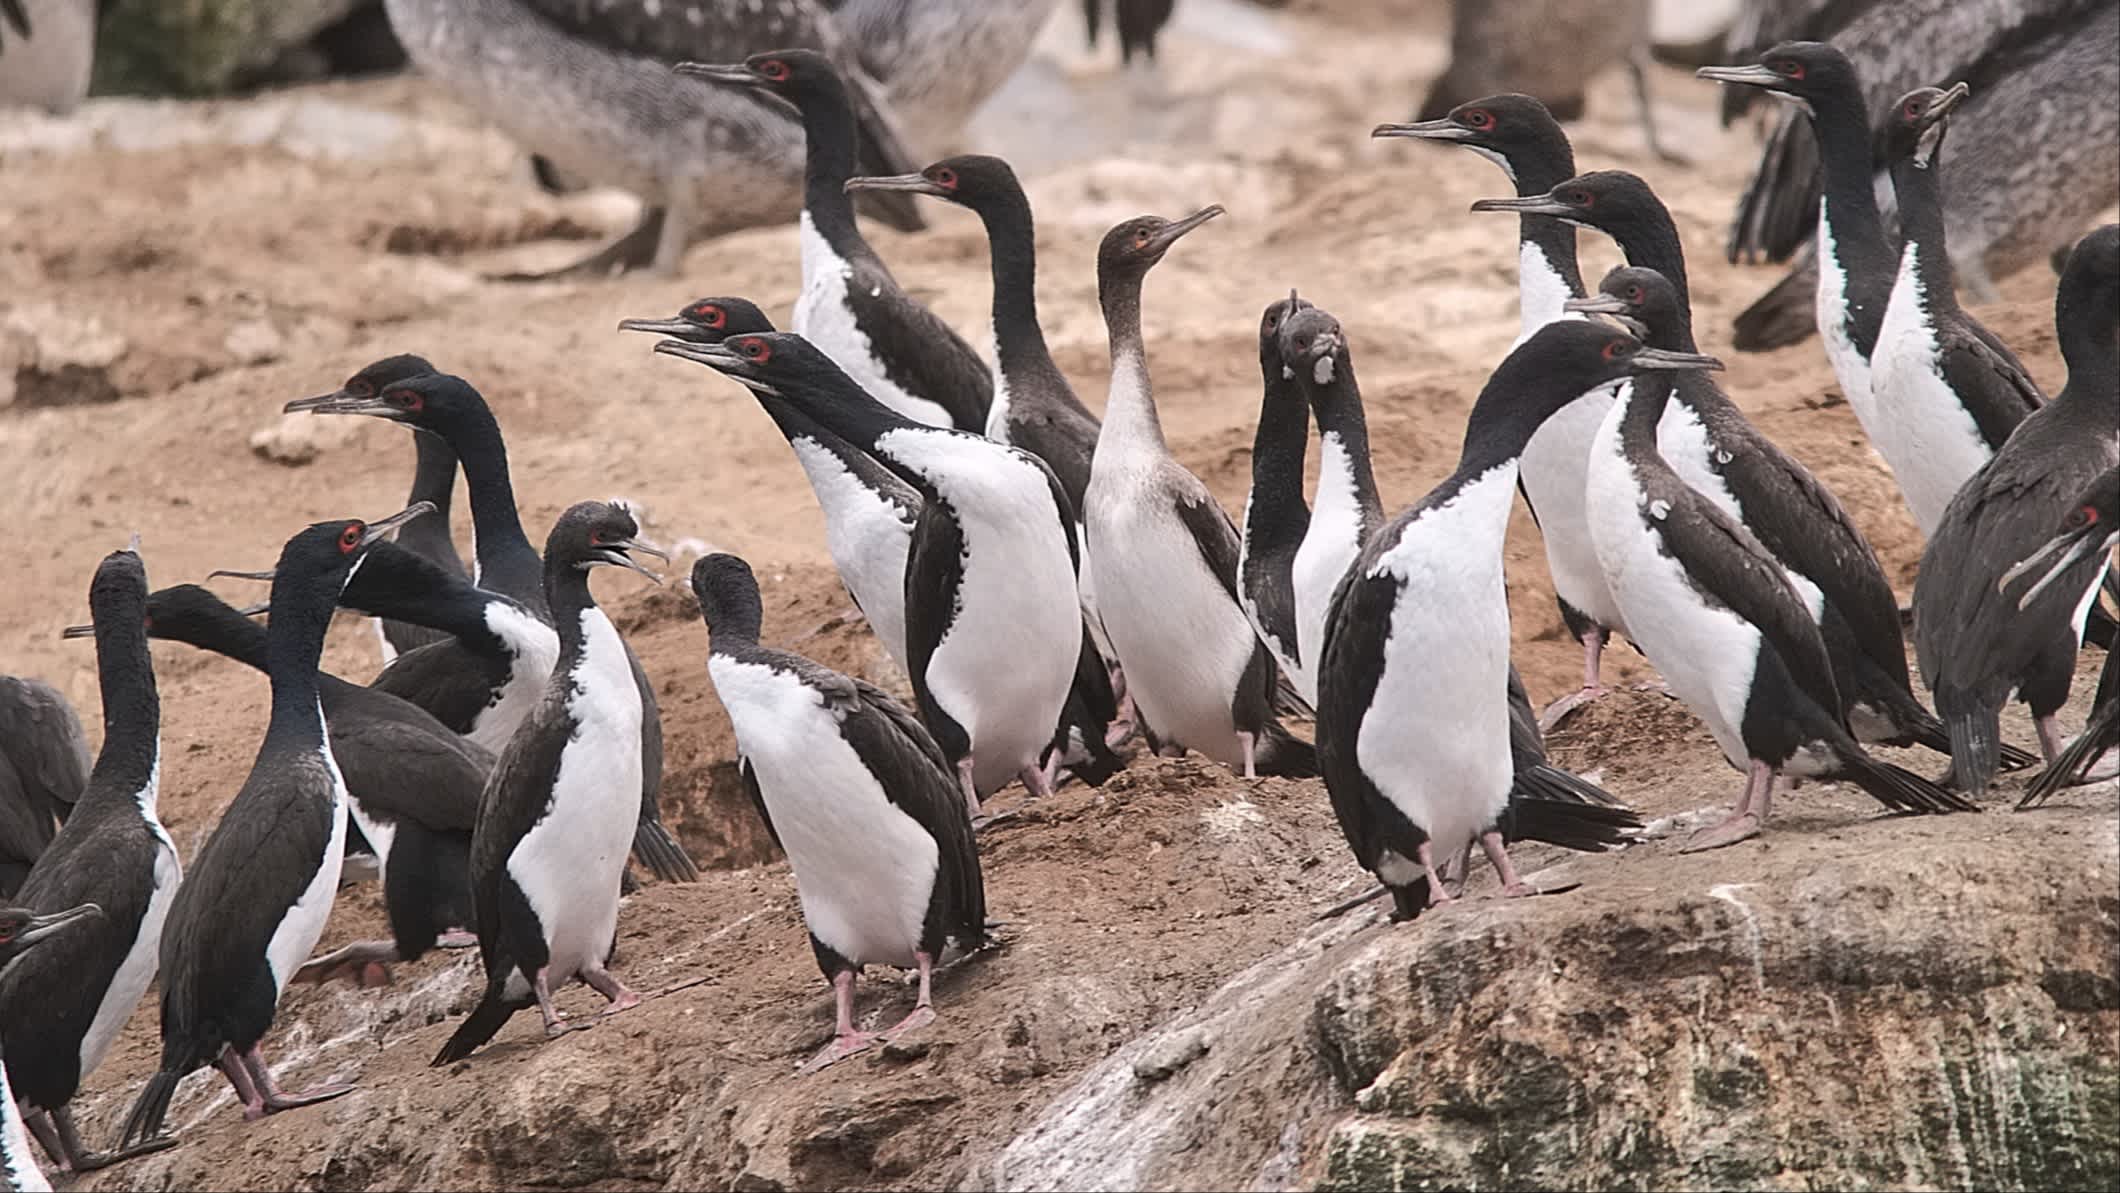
point(851, 307)
point(2093, 527)
point(260, 890)
point(1946, 392)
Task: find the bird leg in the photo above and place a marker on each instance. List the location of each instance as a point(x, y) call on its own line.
point(231, 1065)
point(1250, 742)
point(1635, 68)
point(1035, 781)
point(924, 1007)
point(72, 1155)
point(2051, 740)
point(1456, 870)
point(846, 1041)
point(269, 1094)
point(637, 249)
point(1593, 686)
point(456, 938)
point(1437, 895)
point(365, 963)
point(971, 790)
point(601, 981)
point(1498, 854)
point(1746, 821)
point(555, 1022)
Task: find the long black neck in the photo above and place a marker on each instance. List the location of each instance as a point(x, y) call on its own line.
point(2084, 321)
point(1338, 404)
point(832, 144)
point(567, 590)
point(222, 630)
point(839, 404)
point(1645, 399)
point(1019, 342)
point(433, 481)
point(1537, 173)
point(132, 711)
point(1278, 516)
point(1849, 209)
point(1517, 399)
point(294, 645)
point(507, 563)
point(396, 584)
point(738, 618)
point(1649, 239)
point(1919, 188)
point(795, 423)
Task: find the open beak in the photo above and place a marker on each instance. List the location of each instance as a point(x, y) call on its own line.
point(1177, 228)
point(1943, 105)
point(714, 356)
point(1748, 76)
point(616, 554)
point(1596, 304)
point(2072, 546)
point(78, 631)
point(378, 529)
point(917, 184)
point(1527, 205)
point(661, 327)
point(44, 925)
point(1662, 359)
point(1426, 130)
point(735, 73)
point(341, 402)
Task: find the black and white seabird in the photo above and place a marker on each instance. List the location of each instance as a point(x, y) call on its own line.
point(1414, 729)
point(412, 787)
point(62, 1008)
point(552, 829)
point(2091, 528)
point(1346, 509)
point(433, 481)
point(859, 795)
point(1276, 516)
point(1518, 133)
point(993, 620)
point(1974, 645)
point(1946, 392)
point(868, 511)
point(586, 86)
point(260, 890)
point(43, 770)
point(1165, 553)
point(19, 930)
point(1719, 617)
point(851, 306)
point(444, 405)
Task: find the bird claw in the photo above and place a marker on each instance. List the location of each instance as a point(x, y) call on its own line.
point(1729, 832)
point(838, 1050)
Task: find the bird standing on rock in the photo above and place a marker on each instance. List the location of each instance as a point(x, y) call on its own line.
point(1166, 555)
point(858, 794)
point(261, 888)
point(552, 827)
point(19, 930)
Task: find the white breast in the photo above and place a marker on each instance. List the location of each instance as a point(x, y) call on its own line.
point(17, 1165)
point(868, 536)
point(1849, 365)
point(1918, 423)
point(1554, 471)
point(137, 970)
point(864, 869)
point(1328, 549)
point(823, 316)
point(1540, 290)
point(1682, 440)
point(568, 864)
point(1705, 653)
point(1004, 667)
point(1435, 737)
point(536, 649)
point(303, 924)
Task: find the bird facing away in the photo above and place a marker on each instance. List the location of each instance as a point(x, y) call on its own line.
point(260, 890)
point(62, 1008)
point(1276, 517)
point(552, 830)
point(858, 794)
point(19, 931)
point(43, 769)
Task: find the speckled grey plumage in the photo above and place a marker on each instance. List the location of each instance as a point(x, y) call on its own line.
point(939, 60)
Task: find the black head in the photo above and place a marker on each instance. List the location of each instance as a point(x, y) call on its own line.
point(1801, 72)
point(189, 613)
point(1642, 300)
point(374, 378)
point(1276, 314)
point(2091, 526)
point(1513, 130)
point(767, 362)
point(706, 321)
point(1135, 245)
point(972, 180)
point(1917, 122)
point(21, 928)
point(1568, 358)
point(727, 593)
point(790, 74)
point(435, 402)
point(315, 563)
point(1313, 347)
point(2087, 303)
point(1610, 201)
point(119, 590)
point(593, 534)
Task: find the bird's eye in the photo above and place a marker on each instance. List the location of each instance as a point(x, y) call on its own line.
point(946, 177)
point(1141, 239)
point(708, 315)
point(405, 399)
point(756, 349)
point(774, 69)
point(1582, 198)
point(1634, 294)
point(596, 538)
point(350, 537)
point(1615, 349)
point(1480, 118)
point(2087, 516)
point(1789, 67)
point(7, 933)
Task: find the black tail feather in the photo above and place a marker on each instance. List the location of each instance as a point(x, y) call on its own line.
point(664, 858)
point(2076, 759)
point(1568, 823)
point(1927, 731)
point(1551, 783)
point(1976, 737)
point(1902, 790)
point(1285, 755)
point(485, 1022)
point(1786, 314)
point(151, 1109)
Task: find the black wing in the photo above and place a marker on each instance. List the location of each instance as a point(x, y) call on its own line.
point(12, 11)
point(758, 799)
point(1988, 378)
point(1058, 431)
point(1527, 746)
point(517, 795)
point(41, 735)
point(450, 682)
point(918, 351)
point(932, 572)
point(399, 761)
point(1213, 533)
point(1350, 662)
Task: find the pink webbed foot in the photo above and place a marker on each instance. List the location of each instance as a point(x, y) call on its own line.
point(1741, 827)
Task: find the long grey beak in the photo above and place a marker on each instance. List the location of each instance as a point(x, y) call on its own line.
point(616, 555)
point(376, 530)
point(254, 610)
point(1660, 358)
point(44, 925)
point(1943, 105)
point(660, 327)
point(918, 184)
point(1176, 228)
point(734, 72)
point(714, 356)
point(78, 631)
point(2079, 543)
point(1749, 76)
point(233, 574)
point(1527, 205)
point(338, 402)
point(1426, 130)
point(1597, 304)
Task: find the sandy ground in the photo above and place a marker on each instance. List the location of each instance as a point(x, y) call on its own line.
point(170, 274)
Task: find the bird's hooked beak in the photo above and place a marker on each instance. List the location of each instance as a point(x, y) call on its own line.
point(1426, 130)
point(918, 184)
point(1525, 205)
point(339, 401)
point(1168, 235)
point(42, 926)
point(2070, 545)
point(1600, 303)
point(615, 554)
point(1663, 359)
point(378, 529)
point(233, 574)
point(1943, 105)
point(662, 327)
point(719, 357)
point(1755, 75)
point(132, 545)
point(733, 73)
